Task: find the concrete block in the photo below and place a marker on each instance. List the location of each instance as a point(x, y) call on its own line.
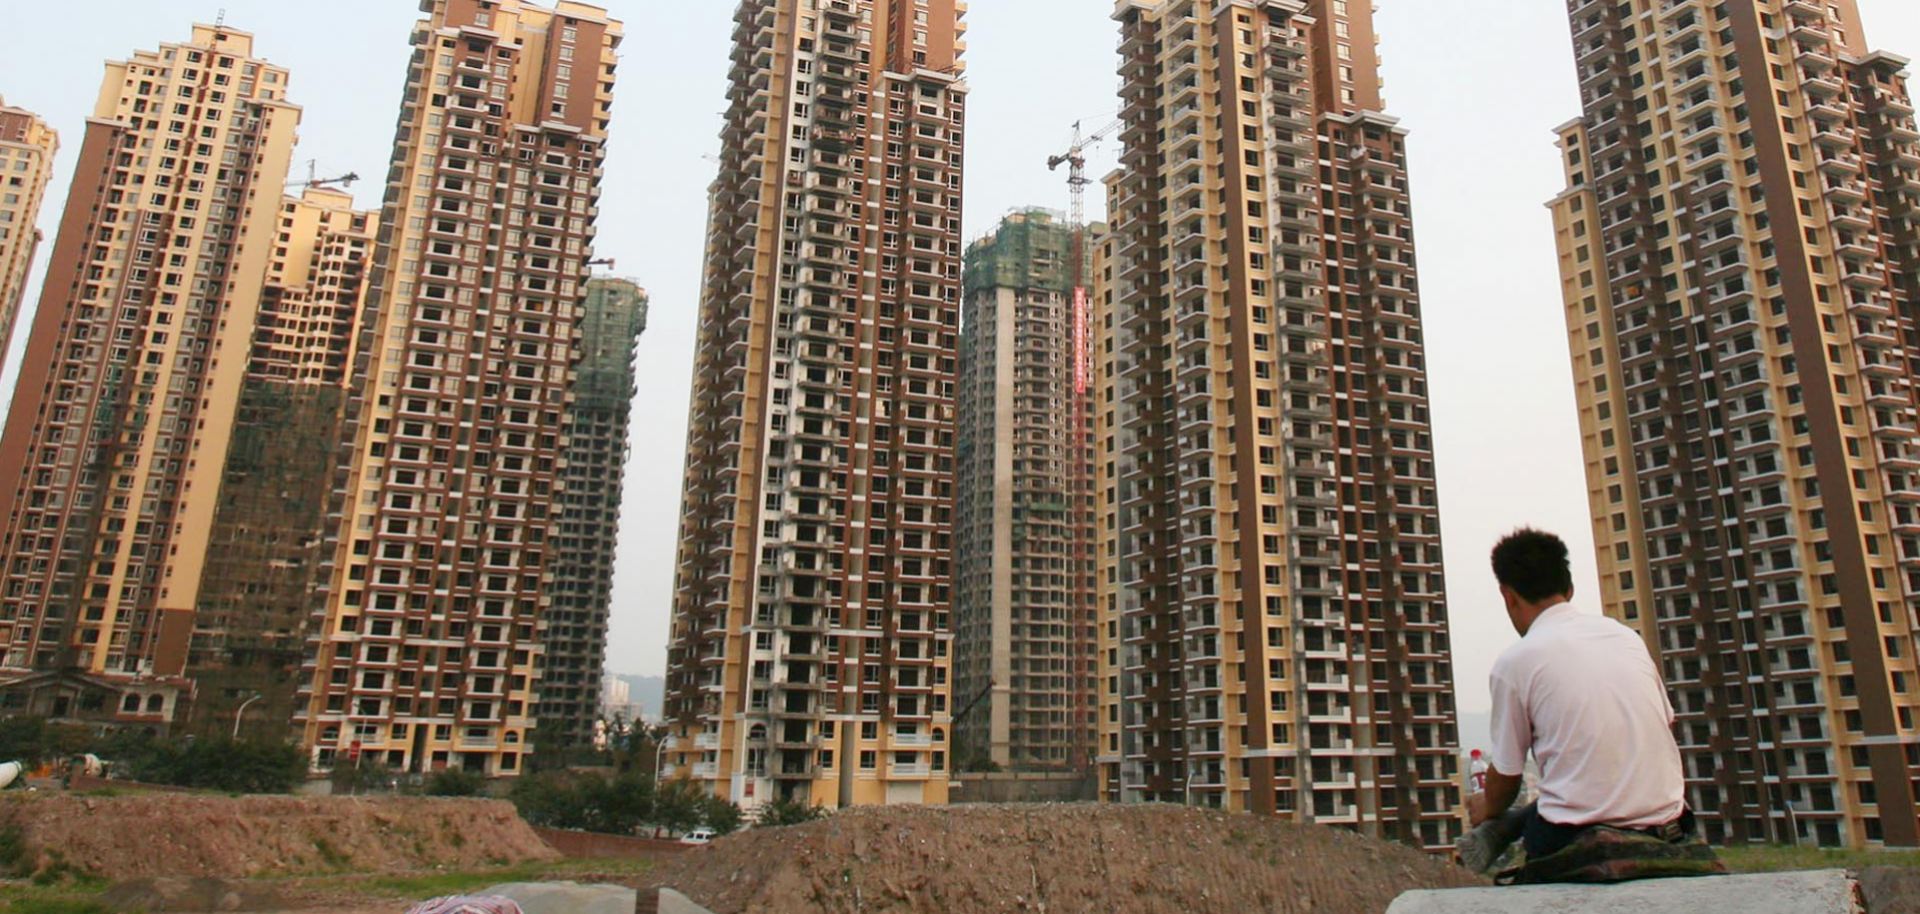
point(672, 902)
point(1823, 892)
point(568, 897)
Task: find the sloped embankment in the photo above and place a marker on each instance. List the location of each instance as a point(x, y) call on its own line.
point(127, 837)
point(1054, 859)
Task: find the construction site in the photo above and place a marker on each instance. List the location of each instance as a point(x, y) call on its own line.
point(121, 849)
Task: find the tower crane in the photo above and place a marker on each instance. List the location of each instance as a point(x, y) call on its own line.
point(1080, 481)
point(1075, 158)
point(314, 180)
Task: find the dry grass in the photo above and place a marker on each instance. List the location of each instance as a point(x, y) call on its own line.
point(1785, 859)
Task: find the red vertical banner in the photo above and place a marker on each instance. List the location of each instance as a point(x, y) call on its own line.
point(1080, 353)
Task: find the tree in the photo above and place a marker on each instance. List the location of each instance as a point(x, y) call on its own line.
point(32, 741)
point(454, 782)
point(585, 801)
point(720, 815)
point(362, 777)
point(677, 806)
point(216, 764)
point(550, 799)
point(786, 811)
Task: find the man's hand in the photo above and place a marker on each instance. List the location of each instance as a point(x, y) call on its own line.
point(1477, 809)
point(1501, 791)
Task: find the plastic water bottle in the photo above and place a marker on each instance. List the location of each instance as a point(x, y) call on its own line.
point(1477, 773)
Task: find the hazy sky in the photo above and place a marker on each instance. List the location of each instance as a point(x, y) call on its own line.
point(1480, 83)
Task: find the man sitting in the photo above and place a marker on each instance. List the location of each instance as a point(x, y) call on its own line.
point(1581, 692)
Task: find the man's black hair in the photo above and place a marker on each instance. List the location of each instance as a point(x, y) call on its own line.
point(1533, 564)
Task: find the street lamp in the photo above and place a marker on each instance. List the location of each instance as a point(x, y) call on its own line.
point(242, 710)
point(659, 747)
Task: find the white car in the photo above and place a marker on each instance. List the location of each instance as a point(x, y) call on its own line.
point(698, 836)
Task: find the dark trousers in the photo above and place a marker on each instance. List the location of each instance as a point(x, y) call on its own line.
point(1524, 824)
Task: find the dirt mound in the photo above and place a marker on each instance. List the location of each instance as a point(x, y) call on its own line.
point(131, 837)
point(1053, 859)
point(1891, 889)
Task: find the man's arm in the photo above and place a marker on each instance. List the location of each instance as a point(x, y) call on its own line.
point(1512, 732)
point(1502, 790)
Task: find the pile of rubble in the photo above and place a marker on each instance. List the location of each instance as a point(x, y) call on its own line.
point(1054, 859)
point(188, 835)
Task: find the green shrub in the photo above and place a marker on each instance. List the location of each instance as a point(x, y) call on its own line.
point(584, 801)
point(720, 815)
point(786, 811)
point(217, 764)
point(32, 741)
point(455, 782)
point(55, 906)
point(13, 852)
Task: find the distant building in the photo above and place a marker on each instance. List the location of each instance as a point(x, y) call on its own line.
point(1024, 639)
point(1740, 264)
point(110, 463)
point(615, 693)
point(27, 146)
point(596, 453)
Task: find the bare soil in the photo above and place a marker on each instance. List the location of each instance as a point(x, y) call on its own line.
point(1052, 860)
point(187, 835)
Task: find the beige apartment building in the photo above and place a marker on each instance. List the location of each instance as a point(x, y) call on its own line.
point(27, 145)
point(1738, 256)
point(1272, 612)
point(111, 459)
point(316, 284)
point(427, 650)
point(1023, 657)
point(811, 629)
point(269, 535)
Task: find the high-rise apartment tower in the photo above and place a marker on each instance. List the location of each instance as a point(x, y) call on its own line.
point(809, 649)
point(427, 651)
point(316, 286)
point(110, 465)
point(1737, 253)
point(1274, 625)
point(1023, 661)
point(269, 535)
point(603, 390)
point(27, 146)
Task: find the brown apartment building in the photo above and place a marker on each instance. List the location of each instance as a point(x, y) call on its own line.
point(1023, 653)
point(427, 649)
point(269, 532)
point(810, 639)
point(1738, 256)
point(110, 464)
point(27, 146)
point(1273, 621)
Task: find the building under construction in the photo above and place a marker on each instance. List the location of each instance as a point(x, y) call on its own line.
point(264, 551)
point(1024, 538)
point(576, 635)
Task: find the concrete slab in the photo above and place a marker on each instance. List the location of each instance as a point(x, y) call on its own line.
point(672, 902)
point(1822, 892)
point(568, 897)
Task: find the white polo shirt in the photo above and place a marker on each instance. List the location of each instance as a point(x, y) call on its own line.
point(1582, 692)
